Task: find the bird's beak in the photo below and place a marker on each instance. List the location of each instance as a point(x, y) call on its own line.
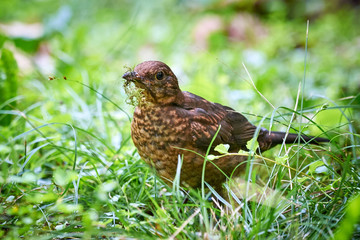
point(131, 76)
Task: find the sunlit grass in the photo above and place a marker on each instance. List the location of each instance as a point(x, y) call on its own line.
point(79, 183)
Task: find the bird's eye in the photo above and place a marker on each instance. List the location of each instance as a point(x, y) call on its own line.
point(159, 75)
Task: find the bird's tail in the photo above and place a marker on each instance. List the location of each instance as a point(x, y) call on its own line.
point(278, 138)
point(268, 140)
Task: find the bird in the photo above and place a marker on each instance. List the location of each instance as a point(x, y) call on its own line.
point(169, 124)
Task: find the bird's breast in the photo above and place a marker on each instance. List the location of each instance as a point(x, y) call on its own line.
point(158, 133)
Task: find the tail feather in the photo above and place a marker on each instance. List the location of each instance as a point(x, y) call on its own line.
point(275, 138)
point(278, 138)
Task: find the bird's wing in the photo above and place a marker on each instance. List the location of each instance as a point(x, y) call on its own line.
point(204, 125)
point(242, 129)
point(206, 117)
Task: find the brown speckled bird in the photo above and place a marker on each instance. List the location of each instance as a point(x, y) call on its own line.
point(168, 120)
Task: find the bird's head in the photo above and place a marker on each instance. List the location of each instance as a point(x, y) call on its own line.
point(158, 83)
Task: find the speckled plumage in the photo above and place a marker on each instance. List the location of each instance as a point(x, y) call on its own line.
point(167, 120)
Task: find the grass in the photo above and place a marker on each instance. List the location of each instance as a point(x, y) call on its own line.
point(78, 184)
point(70, 170)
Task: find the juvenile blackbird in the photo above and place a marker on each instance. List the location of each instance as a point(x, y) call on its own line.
point(167, 121)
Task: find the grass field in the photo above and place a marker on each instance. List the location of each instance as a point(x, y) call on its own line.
point(68, 166)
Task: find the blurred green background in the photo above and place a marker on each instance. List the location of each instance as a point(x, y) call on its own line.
point(60, 74)
point(204, 42)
